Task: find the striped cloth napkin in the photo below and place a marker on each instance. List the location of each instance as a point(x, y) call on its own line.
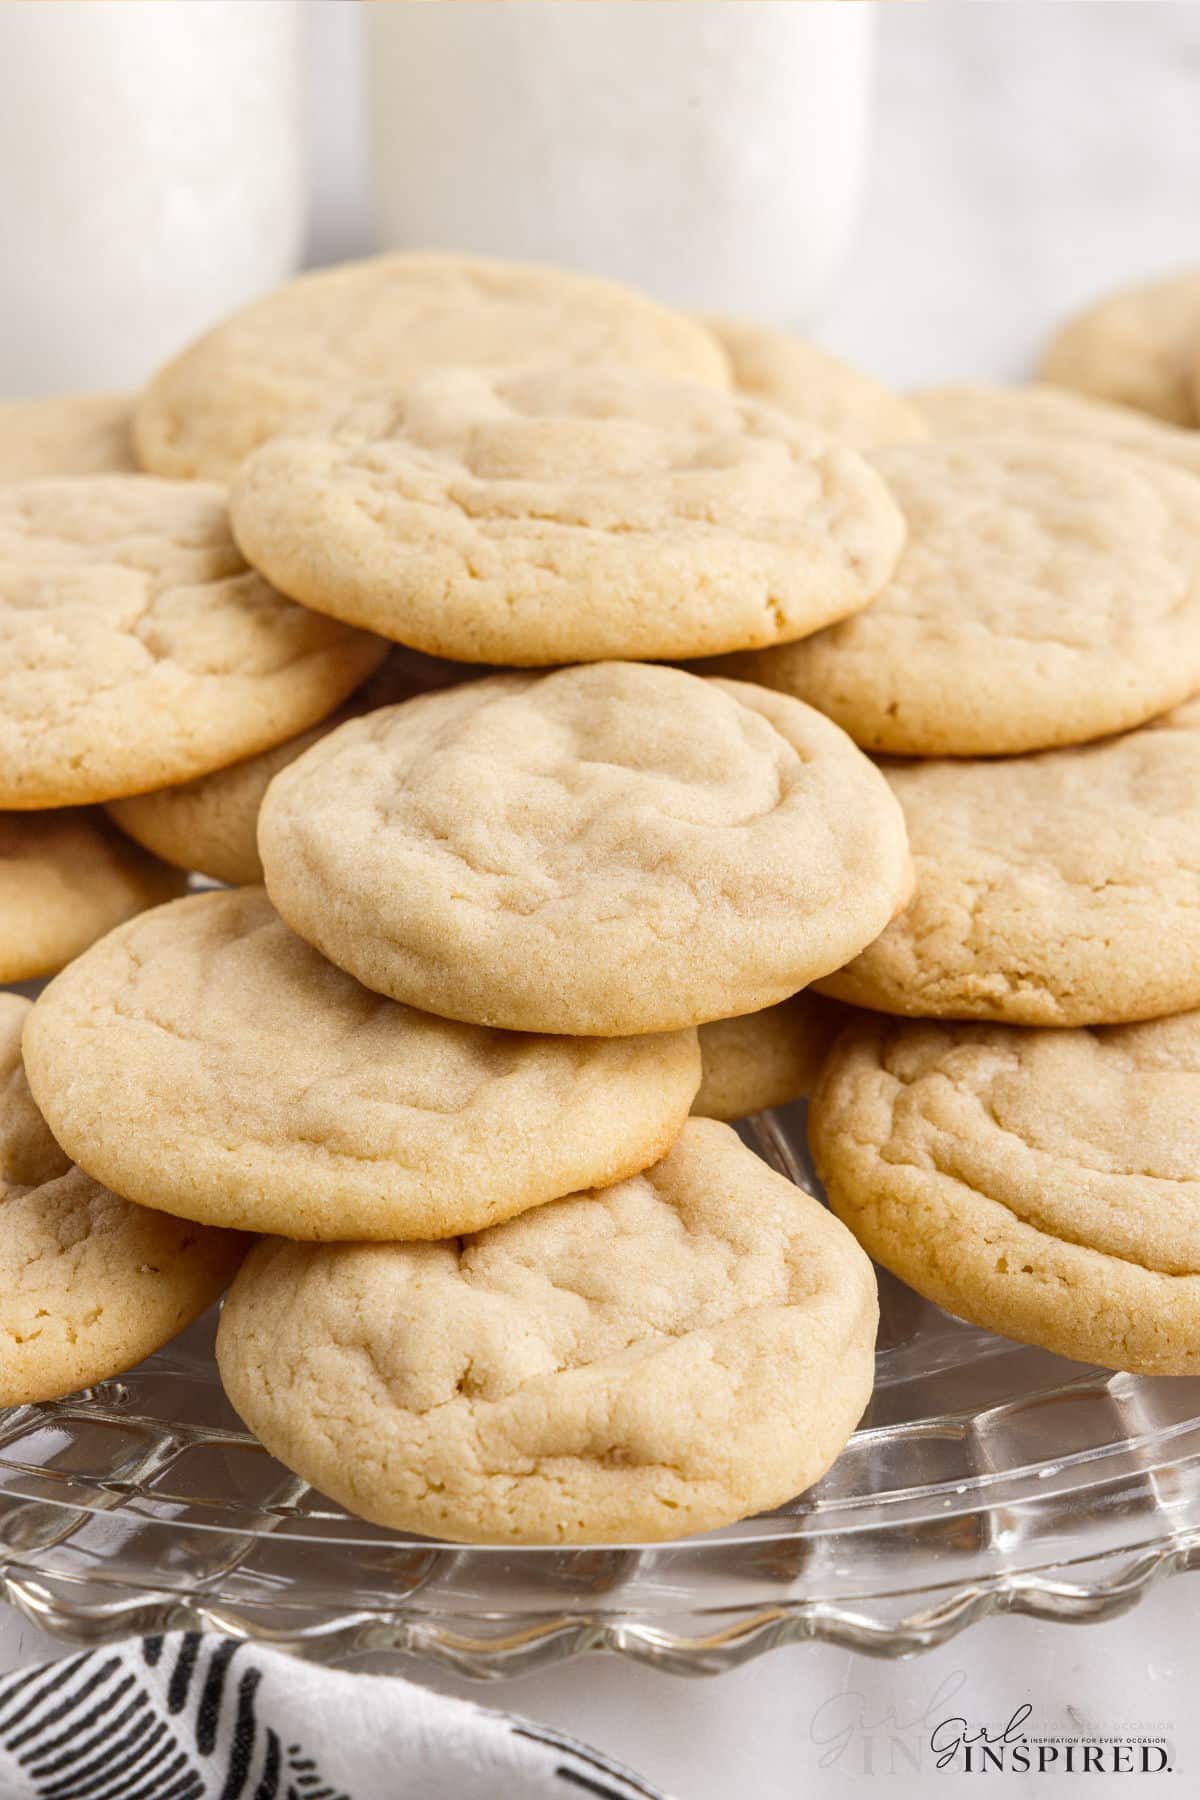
point(200, 1717)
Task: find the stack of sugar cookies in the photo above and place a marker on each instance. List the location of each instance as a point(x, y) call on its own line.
point(66, 875)
point(1020, 1140)
point(417, 677)
point(516, 651)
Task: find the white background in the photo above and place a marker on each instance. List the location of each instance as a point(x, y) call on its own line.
point(1027, 156)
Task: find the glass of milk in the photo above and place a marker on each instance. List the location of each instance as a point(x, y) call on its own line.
point(711, 153)
point(151, 178)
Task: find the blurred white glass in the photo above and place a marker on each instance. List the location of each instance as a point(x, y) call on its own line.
point(712, 153)
point(151, 178)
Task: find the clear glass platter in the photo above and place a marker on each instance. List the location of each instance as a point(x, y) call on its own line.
point(986, 1477)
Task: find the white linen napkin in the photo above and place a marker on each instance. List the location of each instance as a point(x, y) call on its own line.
point(189, 1716)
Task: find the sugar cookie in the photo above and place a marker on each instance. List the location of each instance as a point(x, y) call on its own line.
point(280, 360)
point(666, 1356)
point(568, 516)
point(66, 878)
point(1060, 889)
point(89, 1284)
point(137, 648)
point(1140, 347)
point(1049, 593)
point(1043, 1184)
point(203, 1060)
point(764, 1059)
point(608, 849)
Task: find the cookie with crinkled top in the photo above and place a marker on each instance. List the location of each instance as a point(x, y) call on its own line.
point(1048, 593)
point(1058, 889)
point(1042, 1184)
point(568, 516)
point(663, 1357)
point(204, 1060)
point(606, 849)
point(138, 649)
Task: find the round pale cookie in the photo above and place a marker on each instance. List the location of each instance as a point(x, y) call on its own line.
point(1043, 411)
point(1060, 889)
point(138, 649)
point(764, 1059)
point(280, 361)
point(1049, 593)
point(204, 1060)
point(808, 383)
point(666, 1356)
point(66, 434)
point(1042, 1184)
point(1139, 347)
point(211, 824)
point(568, 516)
point(66, 878)
point(608, 849)
point(89, 1284)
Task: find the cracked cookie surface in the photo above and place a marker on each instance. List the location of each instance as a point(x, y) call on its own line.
point(66, 434)
point(1042, 1184)
point(136, 646)
point(1059, 889)
point(205, 1060)
point(766, 1058)
point(1140, 347)
point(607, 849)
point(281, 360)
point(1048, 593)
point(663, 1357)
point(211, 824)
point(67, 877)
point(568, 516)
point(808, 383)
point(1041, 410)
point(89, 1284)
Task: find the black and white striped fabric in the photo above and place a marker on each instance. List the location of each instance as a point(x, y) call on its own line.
point(192, 1717)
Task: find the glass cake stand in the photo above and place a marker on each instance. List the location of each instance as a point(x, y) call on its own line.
point(986, 1477)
